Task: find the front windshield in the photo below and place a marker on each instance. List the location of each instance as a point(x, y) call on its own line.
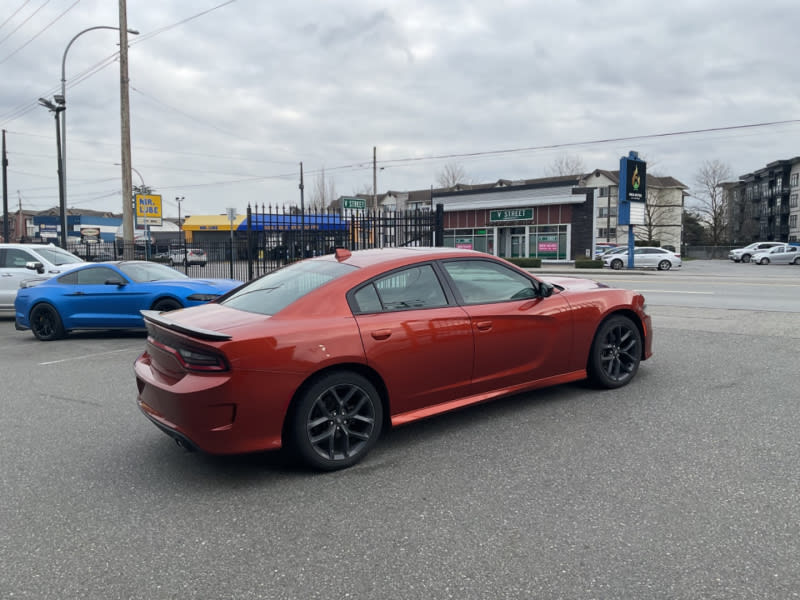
point(277, 290)
point(58, 256)
point(148, 271)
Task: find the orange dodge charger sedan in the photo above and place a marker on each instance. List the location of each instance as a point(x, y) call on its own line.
point(323, 354)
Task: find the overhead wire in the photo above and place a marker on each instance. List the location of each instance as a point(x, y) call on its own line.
point(30, 16)
point(14, 14)
point(46, 27)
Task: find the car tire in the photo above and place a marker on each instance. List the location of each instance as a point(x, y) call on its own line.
point(796, 261)
point(336, 421)
point(664, 265)
point(616, 264)
point(745, 258)
point(615, 354)
point(166, 305)
point(46, 323)
point(764, 261)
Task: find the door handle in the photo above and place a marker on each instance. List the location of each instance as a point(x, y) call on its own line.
point(381, 334)
point(483, 325)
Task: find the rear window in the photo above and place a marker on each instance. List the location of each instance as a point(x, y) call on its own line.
point(275, 291)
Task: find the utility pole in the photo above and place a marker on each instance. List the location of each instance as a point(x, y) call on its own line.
point(125, 137)
point(5, 189)
point(302, 214)
point(374, 178)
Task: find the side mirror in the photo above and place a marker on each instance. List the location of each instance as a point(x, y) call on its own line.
point(35, 266)
point(545, 289)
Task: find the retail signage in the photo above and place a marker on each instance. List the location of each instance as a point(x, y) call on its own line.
point(354, 203)
point(511, 214)
point(632, 190)
point(148, 209)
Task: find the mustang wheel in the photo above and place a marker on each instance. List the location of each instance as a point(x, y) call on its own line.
point(337, 421)
point(616, 353)
point(166, 304)
point(616, 264)
point(664, 265)
point(46, 323)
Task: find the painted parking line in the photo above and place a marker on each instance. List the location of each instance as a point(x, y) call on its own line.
point(85, 356)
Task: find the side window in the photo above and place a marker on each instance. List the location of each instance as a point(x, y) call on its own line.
point(97, 276)
point(412, 288)
point(15, 258)
point(69, 279)
point(483, 281)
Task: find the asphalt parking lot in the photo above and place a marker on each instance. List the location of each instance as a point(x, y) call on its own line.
point(683, 484)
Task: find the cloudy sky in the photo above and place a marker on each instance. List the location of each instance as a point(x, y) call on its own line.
point(229, 97)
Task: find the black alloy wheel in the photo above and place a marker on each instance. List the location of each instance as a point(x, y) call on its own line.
point(616, 353)
point(166, 304)
point(46, 323)
point(337, 421)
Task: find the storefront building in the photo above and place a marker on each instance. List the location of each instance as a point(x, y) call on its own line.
point(549, 218)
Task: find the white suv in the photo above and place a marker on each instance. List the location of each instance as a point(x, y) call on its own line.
point(746, 253)
point(187, 256)
point(19, 262)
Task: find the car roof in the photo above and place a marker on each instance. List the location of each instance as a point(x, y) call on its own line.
point(385, 256)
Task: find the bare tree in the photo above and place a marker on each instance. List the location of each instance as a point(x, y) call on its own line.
point(451, 175)
point(566, 164)
point(323, 192)
point(656, 217)
point(711, 198)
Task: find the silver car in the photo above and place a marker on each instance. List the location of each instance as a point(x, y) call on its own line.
point(645, 256)
point(785, 254)
point(19, 262)
point(745, 254)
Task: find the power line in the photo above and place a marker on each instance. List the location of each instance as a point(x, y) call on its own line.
point(30, 16)
point(12, 15)
point(46, 27)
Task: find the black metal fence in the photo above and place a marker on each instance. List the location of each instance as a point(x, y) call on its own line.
point(270, 237)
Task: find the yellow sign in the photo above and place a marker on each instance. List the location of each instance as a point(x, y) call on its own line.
point(148, 209)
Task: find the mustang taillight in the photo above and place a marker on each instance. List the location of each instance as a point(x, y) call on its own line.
point(194, 359)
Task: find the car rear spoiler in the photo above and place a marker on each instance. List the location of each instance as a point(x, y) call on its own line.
point(163, 320)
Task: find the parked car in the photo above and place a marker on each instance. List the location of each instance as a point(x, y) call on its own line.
point(746, 253)
point(610, 251)
point(320, 355)
point(187, 256)
point(785, 254)
point(19, 262)
point(644, 256)
point(603, 247)
point(109, 296)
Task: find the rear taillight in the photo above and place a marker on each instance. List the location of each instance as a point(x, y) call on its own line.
point(195, 359)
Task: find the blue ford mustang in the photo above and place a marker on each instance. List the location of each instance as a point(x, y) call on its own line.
point(109, 296)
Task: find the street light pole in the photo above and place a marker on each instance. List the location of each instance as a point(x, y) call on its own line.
point(62, 99)
point(58, 108)
point(180, 199)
